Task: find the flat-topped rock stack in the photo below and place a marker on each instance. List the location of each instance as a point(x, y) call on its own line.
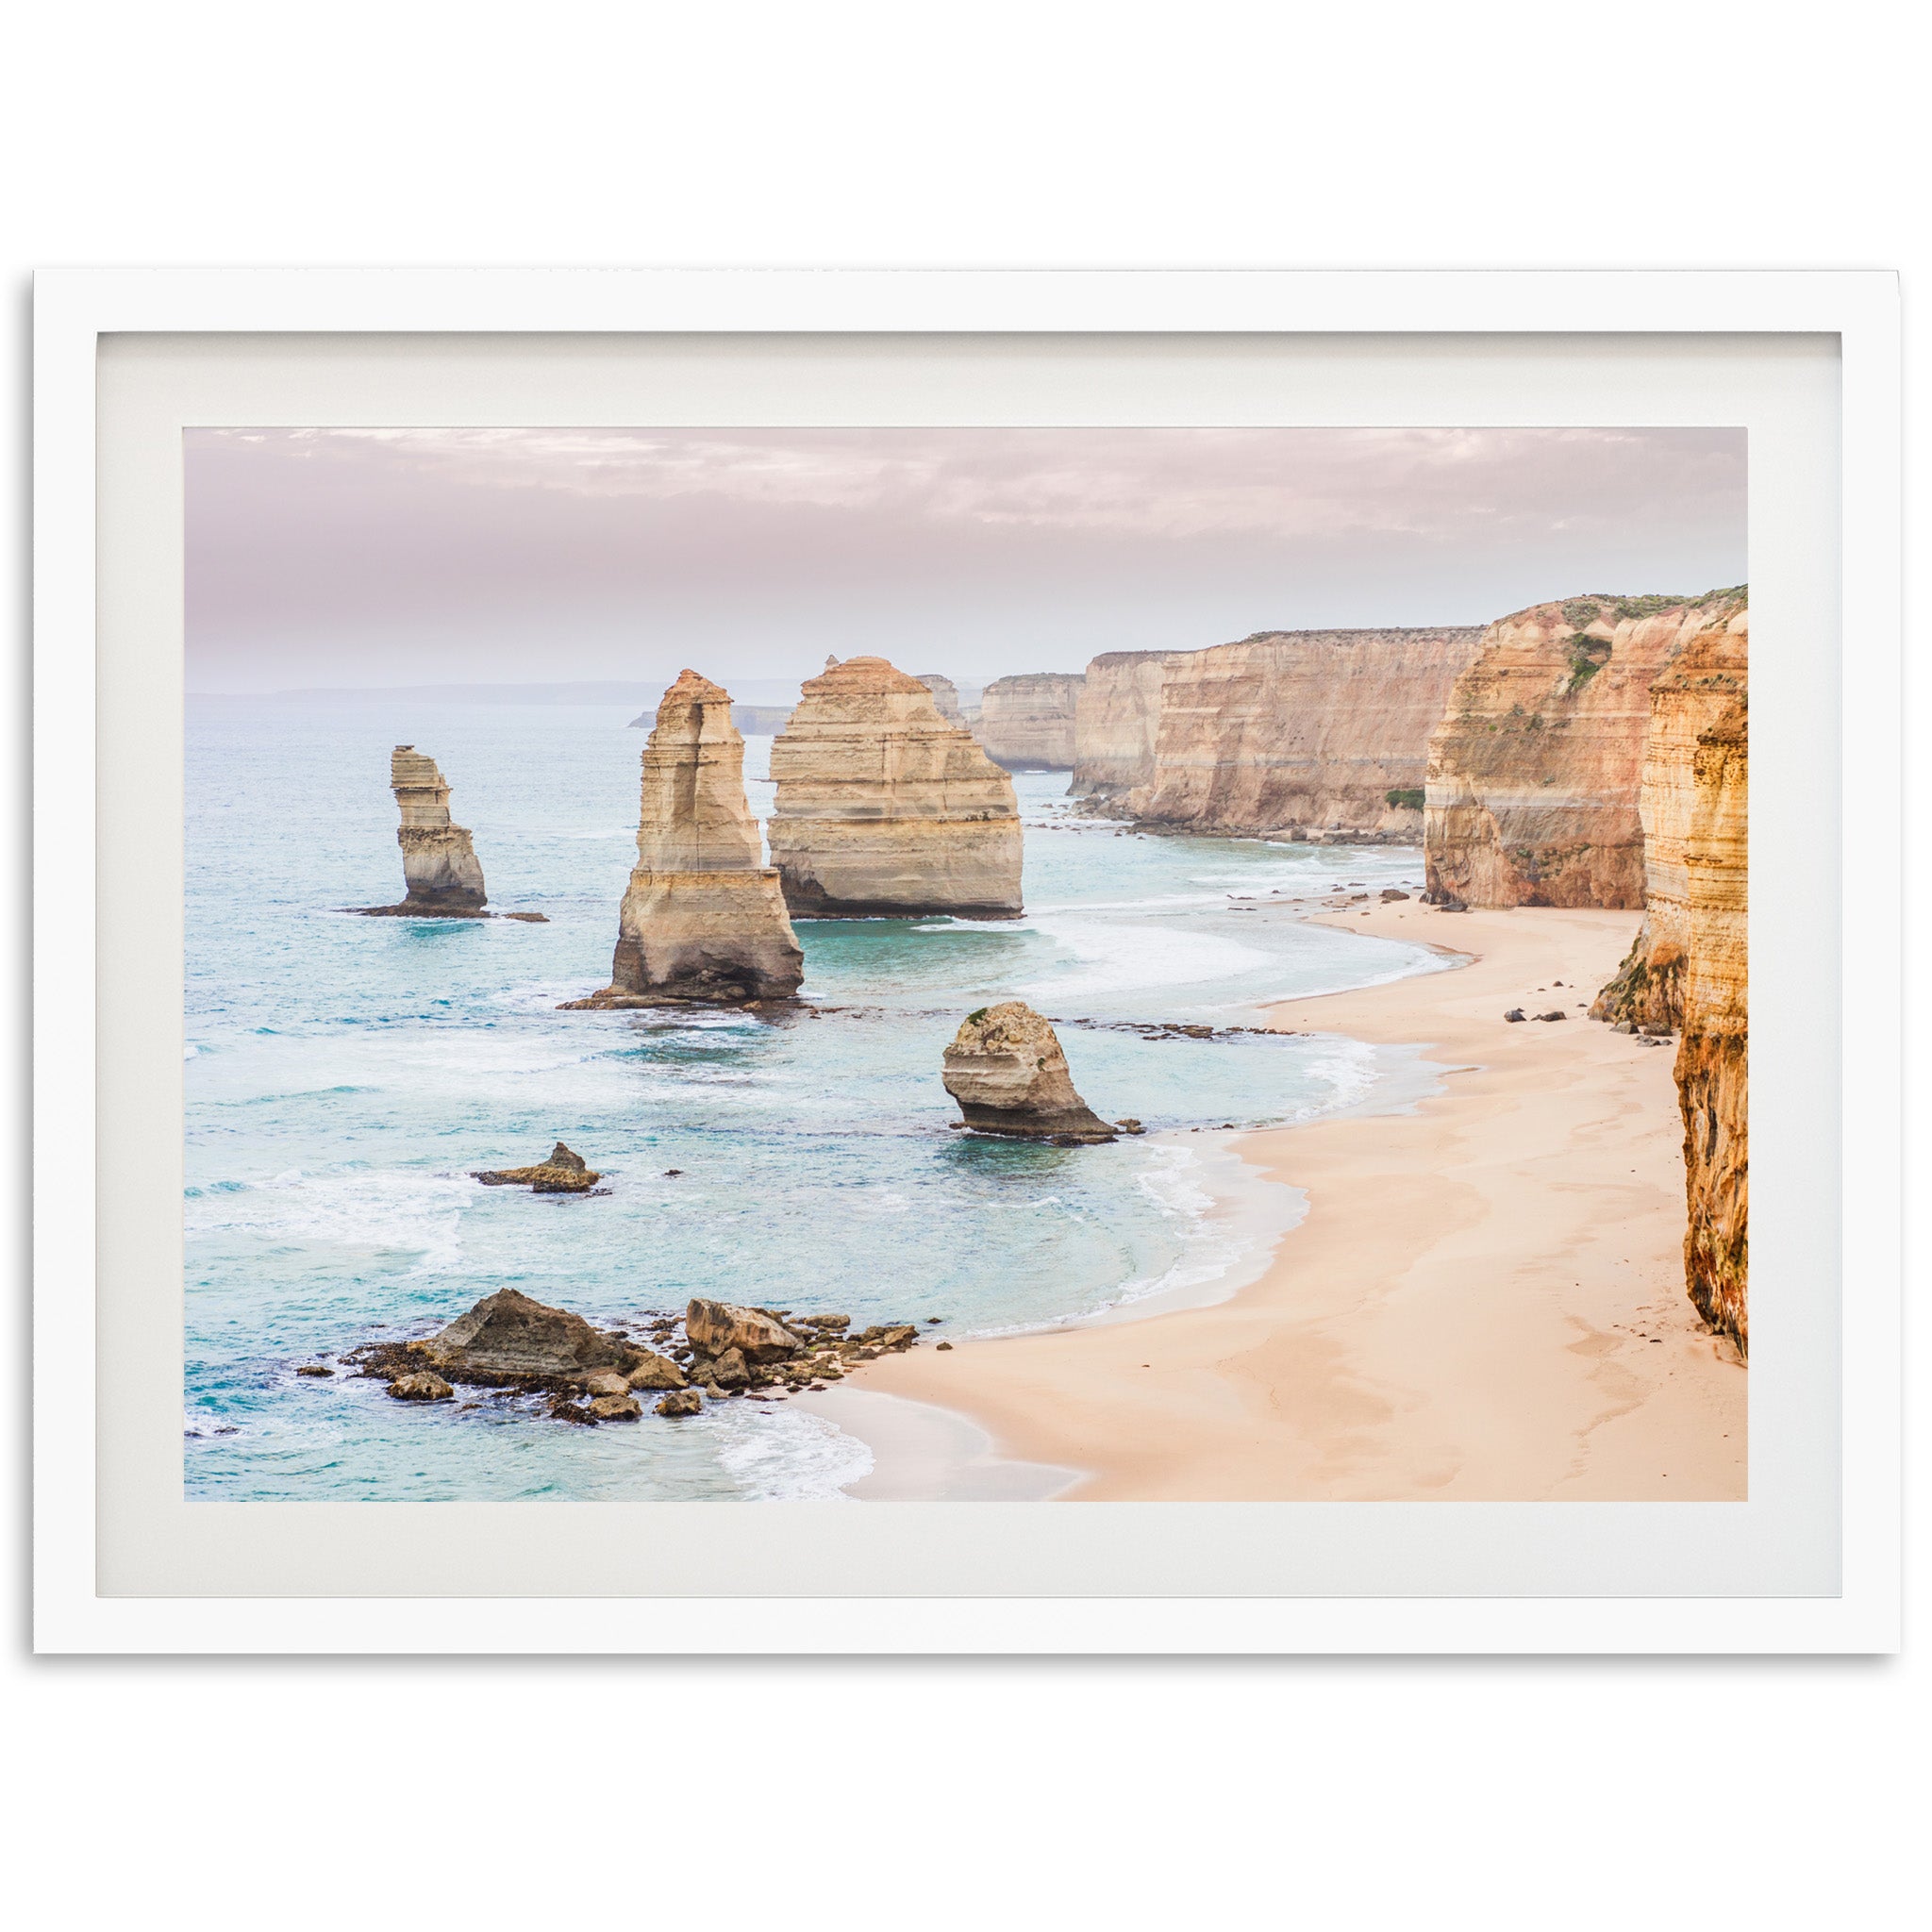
point(885, 809)
point(1006, 1069)
point(945, 694)
point(441, 876)
point(1535, 770)
point(1026, 722)
point(703, 921)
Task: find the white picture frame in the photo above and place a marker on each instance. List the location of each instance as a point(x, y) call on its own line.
point(74, 799)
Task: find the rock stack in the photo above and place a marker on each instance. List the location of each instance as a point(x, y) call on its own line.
point(703, 921)
point(885, 809)
point(441, 878)
point(945, 694)
point(1026, 722)
point(1006, 1068)
point(1535, 770)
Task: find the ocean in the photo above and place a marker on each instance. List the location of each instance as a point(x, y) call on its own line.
point(346, 1076)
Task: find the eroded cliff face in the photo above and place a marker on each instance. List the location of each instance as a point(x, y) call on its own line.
point(1713, 1061)
point(1117, 722)
point(1707, 677)
point(1306, 731)
point(1534, 770)
point(885, 809)
point(1026, 722)
point(439, 866)
point(703, 919)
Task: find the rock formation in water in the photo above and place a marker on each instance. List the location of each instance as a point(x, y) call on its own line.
point(1708, 676)
point(441, 878)
point(1117, 723)
point(945, 694)
point(1713, 1055)
point(885, 809)
point(1026, 722)
point(704, 919)
point(1006, 1068)
point(1313, 733)
point(1534, 770)
point(564, 1172)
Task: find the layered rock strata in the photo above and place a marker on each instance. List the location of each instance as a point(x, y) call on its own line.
point(704, 919)
point(1713, 1060)
point(1320, 733)
point(1026, 724)
point(1707, 678)
point(1006, 1068)
point(441, 876)
point(885, 809)
point(1117, 723)
point(945, 694)
point(1534, 769)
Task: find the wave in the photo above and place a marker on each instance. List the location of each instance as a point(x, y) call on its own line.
point(393, 1209)
point(786, 1455)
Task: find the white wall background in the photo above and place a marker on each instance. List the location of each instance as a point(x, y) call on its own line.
point(1118, 135)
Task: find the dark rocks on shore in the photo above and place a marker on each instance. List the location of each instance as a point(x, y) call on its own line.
point(564, 1173)
point(1514, 1014)
point(1555, 1014)
point(1390, 892)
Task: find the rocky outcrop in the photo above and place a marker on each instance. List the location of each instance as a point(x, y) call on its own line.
point(1535, 770)
point(1008, 1074)
point(1322, 733)
point(1026, 722)
point(564, 1172)
point(510, 1333)
point(884, 809)
point(1713, 1056)
point(1707, 678)
point(723, 1327)
point(1117, 723)
point(703, 921)
point(945, 694)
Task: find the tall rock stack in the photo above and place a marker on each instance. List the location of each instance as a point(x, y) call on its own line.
point(1713, 1060)
point(1117, 723)
point(1535, 768)
point(441, 876)
point(885, 809)
point(1026, 722)
point(945, 694)
point(704, 919)
point(1305, 732)
point(1707, 677)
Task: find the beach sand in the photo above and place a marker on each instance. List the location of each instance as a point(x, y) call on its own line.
point(1484, 1302)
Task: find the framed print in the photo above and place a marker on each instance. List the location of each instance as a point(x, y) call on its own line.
point(966, 961)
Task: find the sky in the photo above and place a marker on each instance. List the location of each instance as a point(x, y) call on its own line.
point(377, 558)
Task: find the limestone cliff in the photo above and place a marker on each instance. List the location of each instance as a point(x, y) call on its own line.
point(1534, 770)
point(885, 809)
point(1713, 1062)
point(441, 876)
point(703, 918)
point(1008, 1074)
point(1300, 731)
point(1705, 678)
point(1026, 722)
point(1117, 722)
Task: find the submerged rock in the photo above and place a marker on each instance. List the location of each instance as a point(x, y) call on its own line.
point(1006, 1068)
point(703, 919)
point(564, 1172)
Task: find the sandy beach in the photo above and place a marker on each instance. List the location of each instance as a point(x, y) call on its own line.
point(1484, 1301)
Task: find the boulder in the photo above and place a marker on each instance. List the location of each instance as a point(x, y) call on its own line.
point(1388, 893)
point(1555, 1014)
point(564, 1173)
point(507, 1334)
point(606, 1382)
point(1006, 1068)
point(728, 1370)
point(681, 1402)
point(716, 1327)
point(616, 1408)
point(420, 1387)
point(1514, 1014)
point(315, 1369)
point(655, 1372)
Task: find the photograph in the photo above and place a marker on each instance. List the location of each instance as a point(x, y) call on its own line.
point(985, 964)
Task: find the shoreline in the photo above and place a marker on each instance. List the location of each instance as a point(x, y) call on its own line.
point(1482, 1300)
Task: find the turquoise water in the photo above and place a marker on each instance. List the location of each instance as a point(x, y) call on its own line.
point(345, 1075)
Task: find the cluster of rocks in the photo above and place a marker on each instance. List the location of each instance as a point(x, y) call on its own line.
point(510, 1342)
